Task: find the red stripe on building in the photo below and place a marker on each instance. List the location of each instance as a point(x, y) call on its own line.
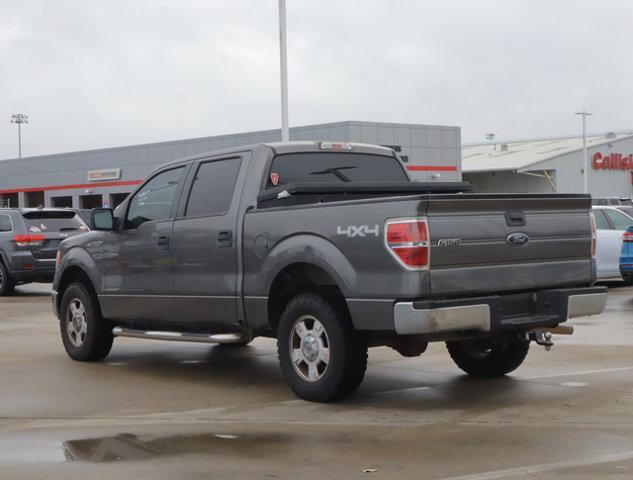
point(430, 168)
point(127, 183)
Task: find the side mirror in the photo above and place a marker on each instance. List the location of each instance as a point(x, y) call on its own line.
point(102, 219)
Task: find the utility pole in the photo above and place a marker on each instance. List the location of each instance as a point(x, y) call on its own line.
point(19, 119)
point(585, 177)
point(283, 61)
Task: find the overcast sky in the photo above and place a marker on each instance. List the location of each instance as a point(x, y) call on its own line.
point(97, 74)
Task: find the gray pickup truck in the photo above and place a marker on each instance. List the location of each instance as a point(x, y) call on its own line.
point(331, 249)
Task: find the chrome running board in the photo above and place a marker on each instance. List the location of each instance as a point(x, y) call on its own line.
point(242, 337)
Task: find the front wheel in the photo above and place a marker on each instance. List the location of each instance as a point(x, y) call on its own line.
point(321, 357)
point(628, 278)
point(482, 358)
point(86, 336)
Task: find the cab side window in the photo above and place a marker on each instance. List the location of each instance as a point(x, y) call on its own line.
point(601, 220)
point(619, 220)
point(5, 223)
point(212, 189)
point(154, 200)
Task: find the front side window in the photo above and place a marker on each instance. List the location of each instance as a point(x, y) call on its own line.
point(155, 199)
point(5, 223)
point(619, 220)
point(212, 189)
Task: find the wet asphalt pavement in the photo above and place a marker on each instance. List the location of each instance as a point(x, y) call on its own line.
point(156, 410)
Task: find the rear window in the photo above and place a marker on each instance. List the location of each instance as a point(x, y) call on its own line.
point(43, 222)
point(334, 167)
point(628, 211)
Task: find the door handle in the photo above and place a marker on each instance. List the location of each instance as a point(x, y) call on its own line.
point(162, 243)
point(225, 239)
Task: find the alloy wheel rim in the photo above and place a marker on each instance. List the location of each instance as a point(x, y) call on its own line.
point(76, 324)
point(309, 348)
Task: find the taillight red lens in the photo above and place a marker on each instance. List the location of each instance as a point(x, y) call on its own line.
point(408, 242)
point(413, 256)
point(415, 231)
point(627, 237)
point(30, 240)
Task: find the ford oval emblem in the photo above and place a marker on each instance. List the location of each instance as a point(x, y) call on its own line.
point(517, 239)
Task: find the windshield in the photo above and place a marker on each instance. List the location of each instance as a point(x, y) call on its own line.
point(335, 167)
point(53, 222)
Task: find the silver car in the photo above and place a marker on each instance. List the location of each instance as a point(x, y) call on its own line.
point(611, 223)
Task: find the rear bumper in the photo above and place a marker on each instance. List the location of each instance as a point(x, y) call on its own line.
point(499, 312)
point(37, 274)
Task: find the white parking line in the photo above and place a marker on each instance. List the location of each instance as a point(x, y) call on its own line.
point(546, 467)
point(402, 390)
point(581, 372)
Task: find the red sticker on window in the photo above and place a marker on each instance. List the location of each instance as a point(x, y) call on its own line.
point(274, 178)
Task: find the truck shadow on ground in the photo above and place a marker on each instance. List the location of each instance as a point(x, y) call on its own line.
point(251, 372)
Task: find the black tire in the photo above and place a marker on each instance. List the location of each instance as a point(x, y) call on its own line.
point(96, 341)
point(628, 279)
point(347, 363)
point(480, 358)
point(7, 285)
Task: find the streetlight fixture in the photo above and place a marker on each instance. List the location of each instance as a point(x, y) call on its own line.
point(283, 64)
point(19, 119)
point(585, 169)
point(491, 137)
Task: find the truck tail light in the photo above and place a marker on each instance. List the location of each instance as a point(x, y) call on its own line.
point(30, 240)
point(594, 234)
point(627, 237)
point(407, 240)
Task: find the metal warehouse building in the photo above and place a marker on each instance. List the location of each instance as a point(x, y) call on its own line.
point(93, 178)
point(552, 165)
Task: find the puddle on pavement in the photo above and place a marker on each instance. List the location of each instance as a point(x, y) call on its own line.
point(126, 447)
point(130, 447)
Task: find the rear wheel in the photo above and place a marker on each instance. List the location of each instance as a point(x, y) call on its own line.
point(6, 282)
point(482, 358)
point(86, 336)
point(321, 357)
point(628, 278)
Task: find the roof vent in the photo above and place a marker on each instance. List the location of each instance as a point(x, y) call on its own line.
point(504, 147)
point(610, 135)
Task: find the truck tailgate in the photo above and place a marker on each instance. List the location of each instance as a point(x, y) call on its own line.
point(501, 243)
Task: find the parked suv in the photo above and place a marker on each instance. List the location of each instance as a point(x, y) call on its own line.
point(331, 249)
point(28, 243)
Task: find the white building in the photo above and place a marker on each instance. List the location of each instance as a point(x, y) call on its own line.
point(552, 165)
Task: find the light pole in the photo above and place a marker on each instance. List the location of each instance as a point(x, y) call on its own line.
point(283, 63)
point(19, 119)
point(585, 169)
point(491, 137)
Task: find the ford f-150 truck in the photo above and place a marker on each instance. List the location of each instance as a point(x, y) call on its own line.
point(331, 249)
